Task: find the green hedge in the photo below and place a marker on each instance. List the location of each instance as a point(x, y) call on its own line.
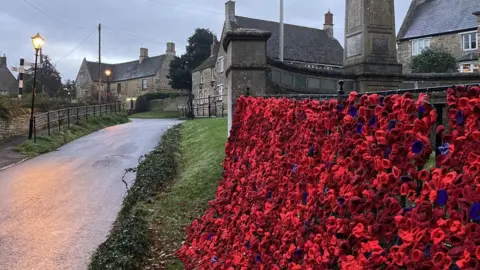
point(128, 243)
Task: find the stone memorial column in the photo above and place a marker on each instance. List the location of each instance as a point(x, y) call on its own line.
point(246, 65)
point(370, 45)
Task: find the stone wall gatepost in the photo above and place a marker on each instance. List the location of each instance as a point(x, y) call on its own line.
point(245, 64)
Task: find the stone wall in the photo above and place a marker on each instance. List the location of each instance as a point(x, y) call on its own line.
point(17, 126)
point(168, 104)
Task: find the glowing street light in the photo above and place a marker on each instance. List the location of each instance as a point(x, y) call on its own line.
point(37, 42)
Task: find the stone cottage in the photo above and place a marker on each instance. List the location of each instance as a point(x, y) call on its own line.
point(312, 48)
point(442, 23)
point(8, 83)
point(127, 80)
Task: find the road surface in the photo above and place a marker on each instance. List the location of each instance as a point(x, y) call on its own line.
point(57, 208)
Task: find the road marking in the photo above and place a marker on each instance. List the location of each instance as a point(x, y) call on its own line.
point(11, 165)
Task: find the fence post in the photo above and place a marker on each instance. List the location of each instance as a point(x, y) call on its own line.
point(48, 123)
point(35, 129)
point(438, 137)
point(86, 112)
point(100, 110)
point(68, 117)
point(222, 108)
point(215, 102)
point(209, 107)
point(94, 109)
point(340, 91)
point(77, 117)
point(58, 118)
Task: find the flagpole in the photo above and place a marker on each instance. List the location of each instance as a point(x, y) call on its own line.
point(281, 31)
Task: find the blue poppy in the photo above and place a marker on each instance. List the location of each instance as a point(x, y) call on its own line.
point(247, 245)
point(442, 197)
point(417, 147)
point(269, 194)
point(405, 178)
point(304, 197)
point(298, 252)
point(311, 151)
point(406, 210)
point(380, 100)
point(460, 118)
point(214, 259)
point(210, 236)
point(307, 224)
point(235, 158)
point(444, 149)
point(340, 107)
point(341, 201)
point(325, 191)
point(327, 165)
point(294, 169)
point(258, 258)
point(398, 241)
point(367, 254)
point(388, 151)
point(392, 124)
point(359, 127)
point(352, 111)
point(421, 109)
point(373, 121)
point(475, 212)
point(426, 252)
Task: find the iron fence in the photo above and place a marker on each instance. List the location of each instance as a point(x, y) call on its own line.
point(211, 106)
point(55, 120)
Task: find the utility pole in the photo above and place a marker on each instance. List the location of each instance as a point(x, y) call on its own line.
point(281, 31)
point(99, 63)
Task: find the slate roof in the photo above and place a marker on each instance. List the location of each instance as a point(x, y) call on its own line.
point(209, 63)
point(128, 70)
point(440, 16)
point(300, 43)
point(8, 81)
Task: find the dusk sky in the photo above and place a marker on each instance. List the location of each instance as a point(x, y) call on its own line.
point(70, 27)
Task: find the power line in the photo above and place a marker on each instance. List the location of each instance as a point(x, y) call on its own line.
point(53, 18)
point(76, 47)
point(187, 7)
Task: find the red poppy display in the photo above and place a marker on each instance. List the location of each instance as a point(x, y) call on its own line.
point(311, 184)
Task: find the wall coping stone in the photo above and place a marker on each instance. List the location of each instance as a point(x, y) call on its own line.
point(245, 34)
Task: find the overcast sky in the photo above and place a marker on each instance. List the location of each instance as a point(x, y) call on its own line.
point(131, 24)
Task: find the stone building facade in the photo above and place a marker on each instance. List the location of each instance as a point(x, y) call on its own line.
point(310, 48)
point(127, 80)
point(8, 83)
point(441, 23)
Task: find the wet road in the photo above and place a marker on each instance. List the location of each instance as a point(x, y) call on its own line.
point(57, 208)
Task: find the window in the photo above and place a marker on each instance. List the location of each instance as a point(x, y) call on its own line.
point(144, 84)
point(119, 88)
point(220, 64)
point(220, 91)
point(470, 41)
point(287, 79)
point(313, 83)
point(419, 45)
point(276, 76)
point(213, 75)
point(201, 79)
point(469, 67)
point(300, 81)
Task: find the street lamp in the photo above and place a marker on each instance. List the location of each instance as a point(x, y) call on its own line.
point(108, 73)
point(37, 42)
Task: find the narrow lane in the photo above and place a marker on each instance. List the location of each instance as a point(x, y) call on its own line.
point(57, 208)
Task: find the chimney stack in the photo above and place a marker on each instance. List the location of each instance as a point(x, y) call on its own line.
point(3, 61)
point(328, 26)
point(214, 47)
point(171, 48)
point(230, 10)
point(143, 54)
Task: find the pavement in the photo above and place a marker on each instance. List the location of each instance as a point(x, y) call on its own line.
point(57, 208)
point(8, 156)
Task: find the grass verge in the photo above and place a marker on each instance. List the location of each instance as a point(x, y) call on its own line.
point(156, 115)
point(128, 243)
point(47, 143)
point(202, 150)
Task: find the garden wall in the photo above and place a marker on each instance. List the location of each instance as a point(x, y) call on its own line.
point(17, 126)
point(347, 184)
point(168, 104)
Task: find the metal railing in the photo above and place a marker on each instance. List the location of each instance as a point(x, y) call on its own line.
point(55, 120)
point(211, 106)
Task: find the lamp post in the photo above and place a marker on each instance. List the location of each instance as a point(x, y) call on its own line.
point(108, 73)
point(37, 42)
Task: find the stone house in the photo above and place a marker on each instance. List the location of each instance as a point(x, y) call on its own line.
point(127, 80)
point(441, 23)
point(8, 83)
point(312, 48)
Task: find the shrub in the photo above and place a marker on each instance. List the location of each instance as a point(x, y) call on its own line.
point(434, 60)
point(141, 105)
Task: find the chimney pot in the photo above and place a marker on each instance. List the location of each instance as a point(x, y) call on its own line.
point(171, 48)
point(3, 61)
point(328, 25)
point(143, 54)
